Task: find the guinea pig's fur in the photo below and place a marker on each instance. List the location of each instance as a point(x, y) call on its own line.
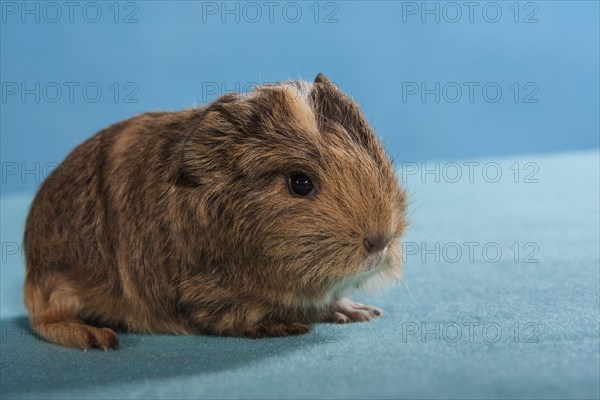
point(186, 222)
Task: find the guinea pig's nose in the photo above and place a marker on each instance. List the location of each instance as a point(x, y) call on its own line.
point(374, 244)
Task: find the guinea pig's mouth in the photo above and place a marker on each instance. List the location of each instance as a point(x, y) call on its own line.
point(376, 261)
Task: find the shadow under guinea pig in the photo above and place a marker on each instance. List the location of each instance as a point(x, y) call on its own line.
point(30, 365)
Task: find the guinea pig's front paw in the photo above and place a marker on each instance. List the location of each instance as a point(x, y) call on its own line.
point(274, 328)
point(346, 310)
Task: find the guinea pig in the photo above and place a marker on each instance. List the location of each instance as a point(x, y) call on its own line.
point(255, 215)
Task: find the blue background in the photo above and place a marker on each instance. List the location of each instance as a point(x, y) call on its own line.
point(183, 53)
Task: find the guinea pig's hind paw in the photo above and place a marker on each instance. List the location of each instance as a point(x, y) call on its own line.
point(271, 329)
point(346, 310)
point(100, 338)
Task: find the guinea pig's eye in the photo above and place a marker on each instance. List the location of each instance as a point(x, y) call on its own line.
point(301, 185)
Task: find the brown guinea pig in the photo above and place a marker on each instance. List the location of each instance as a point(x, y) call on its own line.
point(253, 216)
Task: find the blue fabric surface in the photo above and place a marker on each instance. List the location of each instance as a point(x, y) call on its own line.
point(528, 329)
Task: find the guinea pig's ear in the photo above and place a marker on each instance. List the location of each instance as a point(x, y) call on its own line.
point(187, 168)
point(334, 108)
point(321, 78)
point(201, 151)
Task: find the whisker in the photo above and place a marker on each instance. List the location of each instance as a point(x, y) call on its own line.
point(410, 293)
